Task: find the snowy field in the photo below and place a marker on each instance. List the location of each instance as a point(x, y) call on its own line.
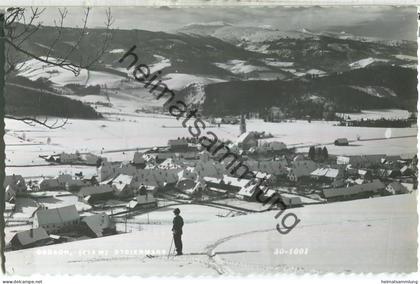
point(370, 235)
point(134, 131)
point(34, 69)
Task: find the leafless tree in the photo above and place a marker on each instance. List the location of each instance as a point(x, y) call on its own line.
point(21, 24)
point(17, 27)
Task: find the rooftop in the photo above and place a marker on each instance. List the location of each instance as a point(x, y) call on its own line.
point(57, 215)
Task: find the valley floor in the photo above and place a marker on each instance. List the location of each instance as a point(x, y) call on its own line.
point(118, 136)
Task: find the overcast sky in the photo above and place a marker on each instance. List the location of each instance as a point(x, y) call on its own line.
point(382, 22)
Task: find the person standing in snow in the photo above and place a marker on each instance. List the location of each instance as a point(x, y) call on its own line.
point(178, 223)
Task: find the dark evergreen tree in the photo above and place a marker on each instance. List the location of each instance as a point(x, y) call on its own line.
point(324, 153)
point(311, 153)
point(318, 153)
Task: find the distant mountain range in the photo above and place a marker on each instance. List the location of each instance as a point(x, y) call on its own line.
point(254, 67)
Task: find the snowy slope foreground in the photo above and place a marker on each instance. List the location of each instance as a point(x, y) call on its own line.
point(370, 235)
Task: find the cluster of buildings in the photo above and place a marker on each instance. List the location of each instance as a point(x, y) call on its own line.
point(391, 123)
point(184, 168)
point(62, 224)
point(76, 158)
point(362, 176)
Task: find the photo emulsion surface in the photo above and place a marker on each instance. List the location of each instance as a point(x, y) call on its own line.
point(159, 141)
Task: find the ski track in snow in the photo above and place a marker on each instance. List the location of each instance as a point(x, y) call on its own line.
point(223, 266)
point(217, 262)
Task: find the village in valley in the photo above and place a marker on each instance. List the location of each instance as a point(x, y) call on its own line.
point(108, 197)
point(316, 122)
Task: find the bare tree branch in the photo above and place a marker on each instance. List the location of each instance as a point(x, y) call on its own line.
point(59, 29)
point(32, 121)
point(29, 27)
point(82, 34)
point(22, 24)
point(28, 30)
point(64, 65)
point(14, 15)
point(60, 61)
point(107, 39)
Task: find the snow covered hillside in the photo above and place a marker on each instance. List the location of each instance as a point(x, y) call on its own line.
point(362, 63)
point(370, 235)
point(34, 69)
point(223, 52)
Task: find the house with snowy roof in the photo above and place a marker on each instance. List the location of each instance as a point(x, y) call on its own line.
point(226, 184)
point(50, 184)
point(95, 193)
point(138, 160)
point(17, 183)
point(356, 191)
point(215, 186)
point(391, 159)
point(63, 179)
point(188, 180)
point(160, 155)
point(69, 158)
point(361, 161)
point(188, 173)
point(291, 200)
point(185, 184)
point(301, 168)
point(76, 184)
point(170, 163)
point(283, 200)
point(107, 170)
point(235, 182)
point(247, 140)
point(272, 146)
point(178, 145)
point(275, 167)
point(91, 159)
point(341, 142)
point(98, 225)
point(250, 190)
point(124, 186)
point(328, 175)
point(142, 202)
point(268, 178)
point(10, 194)
point(270, 195)
point(56, 219)
point(157, 177)
point(406, 171)
point(30, 238)
point(146, 189)
point(396, 188)
point(209, 168)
